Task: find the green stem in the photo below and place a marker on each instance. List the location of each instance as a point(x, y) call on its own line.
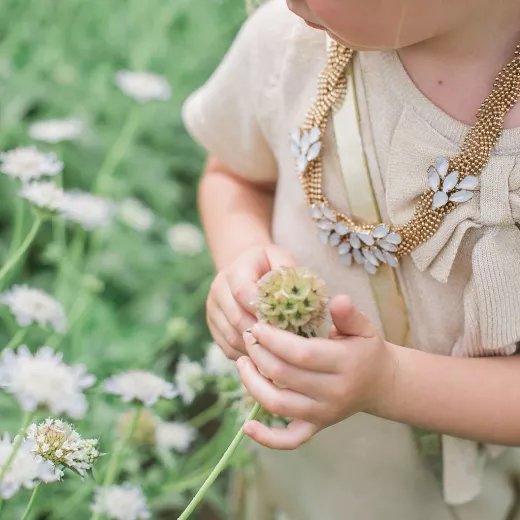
point(113, 463)
point(207, 415)
point(31, 503)
point(17, 443)
point(11, 262)
point(221, 465)
point(18, 226)
point(17, 338)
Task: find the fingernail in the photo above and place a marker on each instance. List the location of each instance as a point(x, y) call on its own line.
point(257, 328)
point(240, 362)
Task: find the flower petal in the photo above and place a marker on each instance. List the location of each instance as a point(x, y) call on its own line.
point(434, 179)
point(314, 151)
point(439, 199)
point(328, 213)
point(450, 181)
point(370, 257)
point(344, 248)
point(461, 196)
point(301, 163)
point(369, 268)
point(341, 229)
point(470, 182)
point(366, 239)
point(387, 246)
point(441, 165)
point(381, 231)
point(358, 257)
point(354, 241)
point(394, 238)
point(324, 237)
point(314, 134)
point(334, 239)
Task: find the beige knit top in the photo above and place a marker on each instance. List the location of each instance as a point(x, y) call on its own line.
point(462, 288)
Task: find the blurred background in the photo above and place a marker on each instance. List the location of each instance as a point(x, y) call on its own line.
point(135, 291)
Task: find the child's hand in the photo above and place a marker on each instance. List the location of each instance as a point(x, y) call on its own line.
point(229, 309)
point(323, 380)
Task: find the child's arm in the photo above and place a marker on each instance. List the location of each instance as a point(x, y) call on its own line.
point(236, 213)
point(326, 381)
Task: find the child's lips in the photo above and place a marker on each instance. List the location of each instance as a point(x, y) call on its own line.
point(291, 8)
point(315, 26)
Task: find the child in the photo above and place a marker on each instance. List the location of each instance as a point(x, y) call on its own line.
point(383, 218)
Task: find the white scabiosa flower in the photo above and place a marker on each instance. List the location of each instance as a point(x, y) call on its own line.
point(185, 238)
point(135, 214)
point(43, 379)
point(189, 379)
point(143, 86)
point(174, 435)
point(87, 210)
point(56, 130)
point(139, 385)
point(44, 195)
point(28, 163)
point(59, 444)
point(126, 502)
point(26, 470)
point(34, 306)
point(216, 362)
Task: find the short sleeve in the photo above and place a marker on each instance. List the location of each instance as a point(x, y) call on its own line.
point(229, 115)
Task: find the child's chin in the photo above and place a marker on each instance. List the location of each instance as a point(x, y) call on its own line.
point(356, 46)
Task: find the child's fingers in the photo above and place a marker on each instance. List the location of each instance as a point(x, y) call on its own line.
point(312, 354)
point(279, 401)
point(239, 318)
point(225, 336)
point(295, 434)
point(305, 382)
point(349, 320)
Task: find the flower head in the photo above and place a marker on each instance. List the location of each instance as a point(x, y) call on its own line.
point(305, 147)
point(185, 238)
point(135, 214)
point(293, 299)
point(175, 435)
point(44, 195)
point(58, 443)
point(34, 306)
point(189, 379)
point(126, 502)
point(143, 86)
point(216, 362)
point(56, 130)
point(144, 431)
point(28, 163)
point(87, 210)
point(26, 470)
point(140, 385)
point(43, 379)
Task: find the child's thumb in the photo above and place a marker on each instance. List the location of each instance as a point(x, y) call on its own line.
point(349, 320)
point(279, 257)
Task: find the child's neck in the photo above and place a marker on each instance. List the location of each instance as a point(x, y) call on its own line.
point(456, 70)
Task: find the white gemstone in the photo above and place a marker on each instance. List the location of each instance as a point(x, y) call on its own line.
point(391, 260)
point(341, 229)
point(370, 257)
point(393, 238)
point(334, 239)
point(324, 237)
point(346, 260)
point(315, 213)
point(354, 241)
point(358, 257)
point(381, 231)
point(295, 150)
point(314, 151)
point(314, 134)
point(441, 165)
point(344, 248)
point(468, 183)
point(439, 199)
point(295, 136)
point(301, 163)
point(379, 254)
point(450, 181)
point(305, 143)
point(434, 180)
point(370, 268)
point(366, 238)
point(387, 246)
point(326, 225)
point(328, 213)
point(461, 196)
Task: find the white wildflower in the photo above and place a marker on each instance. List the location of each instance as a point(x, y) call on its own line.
point(216, 362)
point(34, 306)
point(189, 379)
point(143, 86)
point(126, 502)
point(185, 238)
point(43, 379)
point(56, 130)
point(135, 214)
point(29, 163)
point(174, 435)
point(26, 470)
point(140, 385)
point(45, 195)
point(57, 442)
point(87, 210)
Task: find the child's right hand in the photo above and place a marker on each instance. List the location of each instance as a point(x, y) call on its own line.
point(229, 308)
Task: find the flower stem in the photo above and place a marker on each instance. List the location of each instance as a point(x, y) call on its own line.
point(113, 463)
point(27, 418)
point(221, 465)
point(17, 339)
point(11, 262)
point(207, 415)
point(31, 503)
point(18, 226)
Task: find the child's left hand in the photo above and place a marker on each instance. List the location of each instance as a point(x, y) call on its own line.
point(324, 380)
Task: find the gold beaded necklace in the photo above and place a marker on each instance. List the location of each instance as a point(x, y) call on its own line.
point(449, 181)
